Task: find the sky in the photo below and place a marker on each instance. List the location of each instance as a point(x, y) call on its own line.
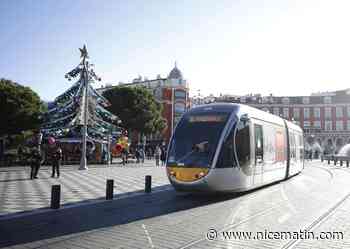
point(279, 47)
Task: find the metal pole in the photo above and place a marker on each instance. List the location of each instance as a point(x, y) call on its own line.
point(172, 110)
point(148, 184)
point(109, 189)
point(109, 150)
point(83, 161)
point(55, 196)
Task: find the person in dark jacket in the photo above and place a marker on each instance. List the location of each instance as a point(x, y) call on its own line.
point(56, 161)
point(124, 154)
point(163, 155)
point(35, 162)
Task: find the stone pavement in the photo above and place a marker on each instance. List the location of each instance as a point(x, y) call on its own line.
point(18, 193)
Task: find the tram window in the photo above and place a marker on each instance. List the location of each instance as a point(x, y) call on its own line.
point(196, 138)
point(259, 143)
point(292, 148)
point(242, 141)
point(301, 147)
point(226, 156)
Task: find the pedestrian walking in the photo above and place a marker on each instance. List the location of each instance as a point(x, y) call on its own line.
point(35, 162)
point(124, 154)
point(142, 154)
point(56, 161)
point(137, 155)
point(149, 153)
point(20, 155)
point(157, 154)
point(163, 155)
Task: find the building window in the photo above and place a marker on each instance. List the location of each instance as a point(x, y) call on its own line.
point(306, 100)
point(328, 125)
point(296, 113)
point(285, 101)
point(317, 124)
point(327, 100)
point(317, 112)
point(307, 124)
point(243, 100)
point(348, 111)
point(306, 113)
point(328, 112)
point(339, 125)
point(276, 111)
point(180, 94)
point(339, 112)
point(180, 108)
point(286, 113)
point(348, 124)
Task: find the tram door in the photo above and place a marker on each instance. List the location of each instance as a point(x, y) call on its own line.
point(259, 154)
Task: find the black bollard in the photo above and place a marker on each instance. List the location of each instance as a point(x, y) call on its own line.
point(55, 196)
point(148, 184)
point(109, 189)
point(347, 164)
point(341, 162)
point(321, 159)
point(329, 161)
point(335, 162)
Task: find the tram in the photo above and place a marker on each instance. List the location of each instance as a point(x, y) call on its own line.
point(232, 148)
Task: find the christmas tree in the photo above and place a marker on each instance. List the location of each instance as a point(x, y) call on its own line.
point(80, 111)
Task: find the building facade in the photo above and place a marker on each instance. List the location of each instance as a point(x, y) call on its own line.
point(324, 117)
point(172, 92)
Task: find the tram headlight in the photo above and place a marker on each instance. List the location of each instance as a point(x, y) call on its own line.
point(199, 175)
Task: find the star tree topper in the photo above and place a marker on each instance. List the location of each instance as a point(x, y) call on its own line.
point(84, 53)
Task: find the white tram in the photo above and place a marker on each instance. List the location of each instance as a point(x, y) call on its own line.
point(232, 148)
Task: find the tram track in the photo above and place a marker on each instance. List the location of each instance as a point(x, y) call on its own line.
point(311, 227)
point(251, 217)
point(276, 188)
point(347, 170)
point(286, 201)
point(324, 169)
point(317, 222)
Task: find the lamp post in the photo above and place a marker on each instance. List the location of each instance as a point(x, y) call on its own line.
point(109, 137)
point(109, 149)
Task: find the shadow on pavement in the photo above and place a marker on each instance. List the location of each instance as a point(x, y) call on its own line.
point(18, 180)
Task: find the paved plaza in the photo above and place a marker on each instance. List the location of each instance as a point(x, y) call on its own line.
point(19, 193)
point(316, 200)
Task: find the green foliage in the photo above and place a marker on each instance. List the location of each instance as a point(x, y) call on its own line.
point(137, 109)
point(20, 108)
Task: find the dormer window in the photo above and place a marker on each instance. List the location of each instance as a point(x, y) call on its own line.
point(327, 100)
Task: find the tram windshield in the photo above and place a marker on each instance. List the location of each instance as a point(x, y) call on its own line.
point(196, 138)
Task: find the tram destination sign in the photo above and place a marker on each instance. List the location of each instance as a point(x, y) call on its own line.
point(208, 118)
